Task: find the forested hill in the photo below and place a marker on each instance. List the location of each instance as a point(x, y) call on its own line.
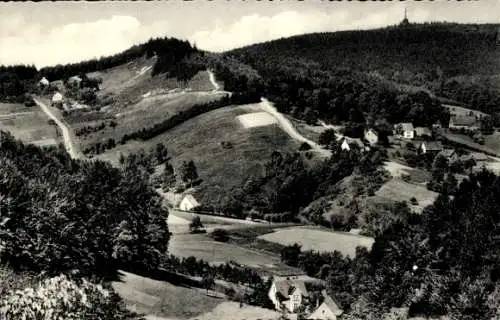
point(425, 49)
point(434, 55)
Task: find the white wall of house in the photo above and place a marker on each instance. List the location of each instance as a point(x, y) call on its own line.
point(409, 134)
point(295, 300)
point(322, 313)
point(188, 203)
point(345, 146)
point(272, 296)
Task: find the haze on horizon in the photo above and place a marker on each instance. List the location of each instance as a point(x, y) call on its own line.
point(50, 33)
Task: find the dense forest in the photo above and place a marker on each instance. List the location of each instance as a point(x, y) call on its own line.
point(420, 55)
point(443, 262)
point(74, 224)
point(60, 214)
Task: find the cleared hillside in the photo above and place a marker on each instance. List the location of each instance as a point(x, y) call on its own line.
point(200, 139)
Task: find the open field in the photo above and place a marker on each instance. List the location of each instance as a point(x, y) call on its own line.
point(162, 300)
point(28, 124)
point(203, 247)
point(493, 142)
point(145, 113)
point(131, 80)
point(256, 119)
point(233, 311)
point(319, 240)
point(397, 170)
point(466, 142)
point(461, 111)
point(200, 139)
point(399, 190)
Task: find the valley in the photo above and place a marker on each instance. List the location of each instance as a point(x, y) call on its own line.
point(202, 185)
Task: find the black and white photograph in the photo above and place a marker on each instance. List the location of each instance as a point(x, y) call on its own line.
point(250, 160)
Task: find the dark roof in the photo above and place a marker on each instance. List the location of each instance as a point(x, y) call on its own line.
point(433, 146)
point(447, 153)
point(286, 287)
point(420, 131)
point(464, 120)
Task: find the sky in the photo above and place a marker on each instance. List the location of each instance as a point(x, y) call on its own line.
point(50, 33)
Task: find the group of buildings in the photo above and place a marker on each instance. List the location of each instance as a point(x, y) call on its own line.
point(291, 296)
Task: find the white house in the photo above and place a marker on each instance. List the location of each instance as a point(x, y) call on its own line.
point(288, 295)
point(371, 136)
point(328, 310)
point(57, 99)
point(405, 130)
point(188, 203)
point(43, 82)
point(348, 144)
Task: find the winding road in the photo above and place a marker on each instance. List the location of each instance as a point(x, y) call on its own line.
point(288, 127)
point(69, 144)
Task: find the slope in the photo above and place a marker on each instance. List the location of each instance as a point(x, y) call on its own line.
point(431, 56)
point(224, 151)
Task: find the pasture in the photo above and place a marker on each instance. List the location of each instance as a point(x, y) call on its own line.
point(203, 247)
point(399, 190)
point(163, 300)
point(144, 113)
point(256, 119)
point(220, 166)
point(321, 240)
point(28, 124)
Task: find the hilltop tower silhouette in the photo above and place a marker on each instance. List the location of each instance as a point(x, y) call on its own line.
point(405, 20)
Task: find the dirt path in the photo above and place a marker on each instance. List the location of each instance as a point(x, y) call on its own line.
point(212, 80)
point(288, 127)
point(69, 144)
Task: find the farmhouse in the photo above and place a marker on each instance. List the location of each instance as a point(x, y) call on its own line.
point(76, 80)
point(288, 295)
point(188, 203)
point(423, 132)
point(328, 310)
point(57, 100)
point(43, 82)
point(449, 154)
point(349, 143)
point(476, 156)
point(431, 147)
point(371, 136)
point(404, 130)
point(464, 122)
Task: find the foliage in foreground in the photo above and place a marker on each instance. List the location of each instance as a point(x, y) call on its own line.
point(62, 298)
point(60, 215)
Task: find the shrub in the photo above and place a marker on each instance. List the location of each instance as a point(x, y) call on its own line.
point(413, 201)
point(62, 298)
point(304, 147)
point(220, 235)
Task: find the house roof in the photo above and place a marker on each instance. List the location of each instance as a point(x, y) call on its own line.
point(75, 79)
point(477, 156)
point(406, 126)
point(334, 308)
point(464, 120)
point(447, 153)
point(354, 141)
point(191, 200)
point(286, 287)
point(371, 130)
point(433, 146)
point(420, 131)
point(57, 97)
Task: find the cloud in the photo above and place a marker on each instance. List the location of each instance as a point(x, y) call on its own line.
point(258, 28)
point(28, 42)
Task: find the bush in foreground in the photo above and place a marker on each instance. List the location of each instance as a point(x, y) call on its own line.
point(62, 298)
